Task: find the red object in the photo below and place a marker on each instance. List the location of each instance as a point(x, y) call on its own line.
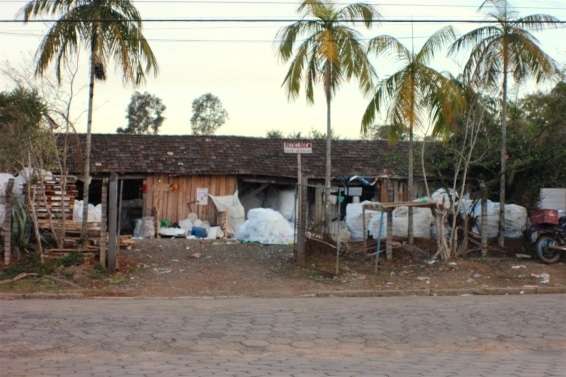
point(144, 188)
point(545, 216)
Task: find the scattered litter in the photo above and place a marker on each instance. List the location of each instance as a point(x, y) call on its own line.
point(430, 262)
point(518, 266)
point(162, 270)
point(476, 275)
point(196, 255)
point(174, 260)
point(452, 263)
point(523, 256)
point(172, 232)
point(544, 277)
point(423, 278)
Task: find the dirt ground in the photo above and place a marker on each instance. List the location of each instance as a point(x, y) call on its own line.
point(179, 267)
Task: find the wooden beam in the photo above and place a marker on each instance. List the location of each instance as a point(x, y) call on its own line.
point(103, 222)
point(112, 222)
point(7, 226)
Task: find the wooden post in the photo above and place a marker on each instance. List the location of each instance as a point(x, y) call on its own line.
point(466, 238)
point(7, 226)
point(112, 222)
point(103, 222)
point(483, 219)
point(389, 242)
point(301, 257)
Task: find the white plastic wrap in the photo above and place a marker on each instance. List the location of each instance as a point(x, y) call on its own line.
point(266, 226)
point(515, 220)
point(172, 232)
point(354, 219)
point(145, 228)
point(94, 212)
point(445, 197)
point(236, 212)
point(4, 178)
point(423, 220)
point(287, 203)
point(186, 225)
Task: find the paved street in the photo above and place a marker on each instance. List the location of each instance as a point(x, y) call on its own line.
point(410, 336)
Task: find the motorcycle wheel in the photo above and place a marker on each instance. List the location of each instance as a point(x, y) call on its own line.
point(544, 254)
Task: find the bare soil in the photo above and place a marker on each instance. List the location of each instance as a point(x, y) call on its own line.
point(179, 267)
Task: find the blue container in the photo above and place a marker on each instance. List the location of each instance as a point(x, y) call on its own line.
point(199, 232)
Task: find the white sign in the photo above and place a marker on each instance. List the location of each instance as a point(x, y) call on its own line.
point(202, 196)
point(297, 147)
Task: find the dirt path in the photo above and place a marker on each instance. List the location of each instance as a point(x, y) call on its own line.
point(179, 267)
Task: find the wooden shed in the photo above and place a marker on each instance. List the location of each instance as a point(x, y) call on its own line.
point(163, 174)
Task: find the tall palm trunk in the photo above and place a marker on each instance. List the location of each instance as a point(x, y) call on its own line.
point(86, 179)
point(411, 183)
point(328, 170)
point(502, 182)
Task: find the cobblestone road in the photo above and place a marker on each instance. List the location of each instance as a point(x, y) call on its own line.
point(411, 336)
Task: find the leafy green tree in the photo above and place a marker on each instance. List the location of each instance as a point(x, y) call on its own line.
point(408, 91)
point(208, 115)
point(109, 30)
point(145, 115)
point(386, 132)
point(332, 52)
point(502, 51)
point(274, 134)
point(25, 126)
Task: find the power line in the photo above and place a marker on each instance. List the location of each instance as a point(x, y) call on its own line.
point(279, 20)
point(275, 2)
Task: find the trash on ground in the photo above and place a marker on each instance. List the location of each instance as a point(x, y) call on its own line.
point(544, 277)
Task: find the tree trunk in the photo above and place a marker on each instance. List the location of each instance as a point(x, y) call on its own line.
point(502, 183)
point(86, 179)
point(328, 170)
point(411, 183)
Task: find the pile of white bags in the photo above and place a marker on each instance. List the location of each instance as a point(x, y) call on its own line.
point(445, 197)
point(94, 212)
point(515, 220)
point(354, 219)
point(266, 226)
point(423, 221)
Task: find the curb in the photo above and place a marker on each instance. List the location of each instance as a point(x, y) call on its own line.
point(320, 294)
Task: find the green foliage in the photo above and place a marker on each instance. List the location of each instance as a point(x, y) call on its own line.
point(208, 115)
point(25, 126)
point(21, 227)
point(386, 132)
point(536, 152)
point(120, 38)
point(274, 134)
point(74, 258)
point(330, 50)
point(145, 115)
point(508, 39)
point(29, 264)
point(413, 87)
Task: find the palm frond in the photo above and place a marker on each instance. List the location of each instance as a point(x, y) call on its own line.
point(529, 60)
point(537, 22)
point(474, 37)
point(383, 44)
point(289, 34)
point(367, 12)
point(385, 91)
point(437, 41)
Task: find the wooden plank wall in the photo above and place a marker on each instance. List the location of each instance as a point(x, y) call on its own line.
point(171, 195)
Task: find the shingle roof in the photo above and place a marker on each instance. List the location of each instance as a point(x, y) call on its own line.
point(234, 155)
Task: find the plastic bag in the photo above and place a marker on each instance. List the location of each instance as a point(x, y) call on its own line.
point(236, 212)
point(354, 219)
point(266, 226)
point(94, 212)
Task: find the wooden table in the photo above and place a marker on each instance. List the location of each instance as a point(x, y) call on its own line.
point(388, 208)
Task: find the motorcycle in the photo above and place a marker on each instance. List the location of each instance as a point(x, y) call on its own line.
point(547, 232)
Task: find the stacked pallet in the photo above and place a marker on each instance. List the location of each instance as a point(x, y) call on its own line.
point(54, 211)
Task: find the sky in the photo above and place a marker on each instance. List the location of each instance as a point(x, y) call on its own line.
point(239, 64)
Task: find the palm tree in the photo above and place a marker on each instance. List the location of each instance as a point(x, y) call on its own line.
point(332, 52)
point(109, 29)
point(500, 51)
point(414, 86)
